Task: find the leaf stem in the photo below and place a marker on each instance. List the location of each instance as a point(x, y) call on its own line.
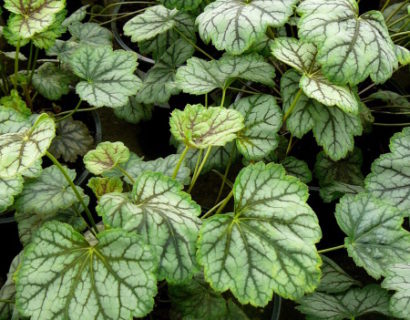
point(242, 90)
point(225, 176)
point(293, 105)
point(391, 124)
point(80, 110)
point(194, 45)
point(209, 212)
point(16, 64)
point(395, 11)
point(181, 159)
point(206, 100)
point(223, 96)
point(289, 148)
point(6, 301)
point(125, 173)
point(385, 5)
point(397, 21)
point(73, 187)
point(195, 178)
point(30, 56)
point(33, 67)
point(225, 202)
point(405, 33)
point(68, 115)
point(342, 246)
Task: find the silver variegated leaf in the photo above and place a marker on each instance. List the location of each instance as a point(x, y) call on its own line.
point(51, 82)
point(9, 188)
point(134, 111)
point(8, 292)
point(398, 279)
point(297, 168)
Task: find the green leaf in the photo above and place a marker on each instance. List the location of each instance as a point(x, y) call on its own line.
point(263, 120)
point(51, 82)
point(30, 222)
point(77, 16)
point(134, 111)
point(297, 168)
point(48, 193)
point(78, 279)
point(301, 120)
point(319, 88)
point(159, 83)
point(334, 279)
point(9, 187)
point(332, 128)
point(47, 38)
point(329, 173)
point(135, 166)
point(350, 47)
point(14, 101)
point(200, 76)
point(395, 12)
point(235, 25)
point(397, 279)
point(181, 4)
point(106, 157)
point(199, 127)
point(153, 21)
point(107, 76)
point(8, 291)
point(391, 99)
point(35, 170)
point(72, 140)
point(101, 186)
point(164, 215)
point(268, 244)
point(183, 23)
point(63, 50)
point(31, 16)
point(348, 305)
point(375, 237)
point(197, 301)
point(301, 56)
point(19, 151)
point(90, 34)
point(11, 121)
point(390, 175)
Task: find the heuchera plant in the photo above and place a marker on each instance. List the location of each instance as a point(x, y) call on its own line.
point(282, 68)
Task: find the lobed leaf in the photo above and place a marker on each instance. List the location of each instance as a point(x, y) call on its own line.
point(397, 279)
point(51, 82)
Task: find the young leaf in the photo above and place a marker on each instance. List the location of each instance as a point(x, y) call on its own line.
point(181, 4)
point(347, 305)
point(235, 25)
point(334, 279)
point(101, 186)
point(77, 279)
point(398, 279)
point(72, 140)
point(329, 173)
point(159, 84)
point(402, 54)
point(47, 38)
point(267, 244)
point(350, 47)
point(390, 176)
point(301, 56)
point(134, 111)
point(153, 21)
point(107, 76)
point(48, 193)
point(8, 292)
point(297, 168)
point(106, 157)
point(31, 16)
point(263, 120)
point(19, 151)
point(199, 127)
point(164, 215)
point(200, 76)
point(375, 238)
point(9, 187)
point(51, 82)
point(197, 301)
point(90, 34)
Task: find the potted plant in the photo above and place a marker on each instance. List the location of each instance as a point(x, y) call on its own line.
point(217, 229)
